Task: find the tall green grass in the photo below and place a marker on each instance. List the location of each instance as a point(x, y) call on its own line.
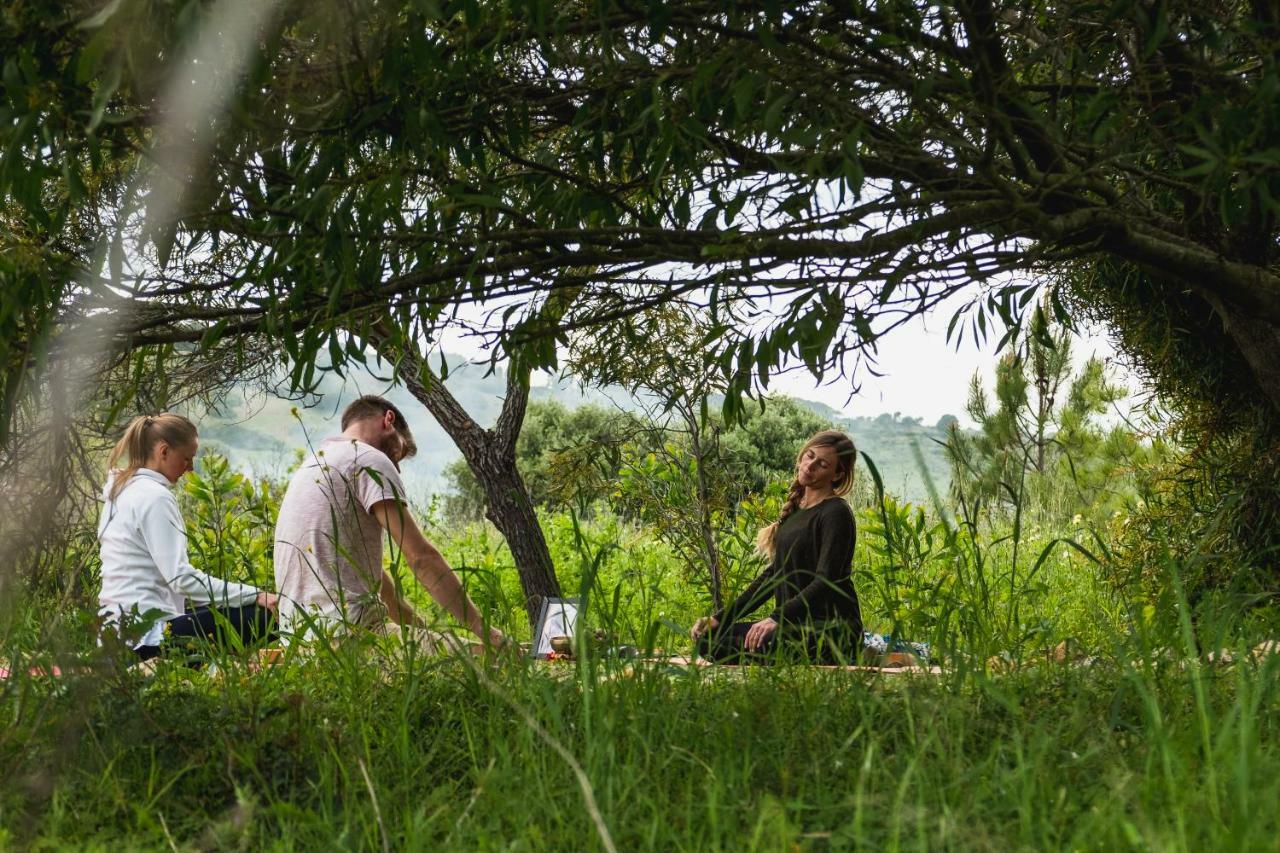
point(333, 752)
point(372, 745)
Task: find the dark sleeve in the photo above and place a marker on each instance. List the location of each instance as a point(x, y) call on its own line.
point(753, 596)
point(836, 533)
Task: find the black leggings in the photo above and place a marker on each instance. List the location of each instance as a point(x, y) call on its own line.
point(251, 624)
point(829, 643)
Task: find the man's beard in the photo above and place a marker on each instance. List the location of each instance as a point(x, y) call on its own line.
point(391, 445)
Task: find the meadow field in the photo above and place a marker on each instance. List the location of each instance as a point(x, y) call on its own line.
point(1135, 738)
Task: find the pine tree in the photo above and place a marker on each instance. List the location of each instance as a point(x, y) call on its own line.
point(1039, 442)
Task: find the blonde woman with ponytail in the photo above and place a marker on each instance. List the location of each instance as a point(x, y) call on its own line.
point(145, 568)
point(810, 572)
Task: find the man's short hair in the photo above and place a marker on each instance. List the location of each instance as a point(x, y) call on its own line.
point(373, 406)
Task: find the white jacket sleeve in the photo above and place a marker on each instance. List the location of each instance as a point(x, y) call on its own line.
point(166, 539)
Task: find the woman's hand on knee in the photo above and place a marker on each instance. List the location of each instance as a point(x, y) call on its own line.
point(759, 633)
point(706, 623)
point(268, 600)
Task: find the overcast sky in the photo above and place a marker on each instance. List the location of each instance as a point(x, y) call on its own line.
point(924, 376)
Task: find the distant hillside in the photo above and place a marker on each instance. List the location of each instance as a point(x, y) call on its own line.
point(259, 432)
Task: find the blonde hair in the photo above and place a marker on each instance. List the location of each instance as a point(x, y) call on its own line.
point(140, 438)
point(846, 456)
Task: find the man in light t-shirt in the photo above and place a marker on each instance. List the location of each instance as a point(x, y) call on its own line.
point(328, 542)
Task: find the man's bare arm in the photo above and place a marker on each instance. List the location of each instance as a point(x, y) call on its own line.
point(397, 608)
point(430, 568)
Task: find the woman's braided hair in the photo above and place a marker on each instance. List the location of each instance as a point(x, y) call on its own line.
point(141, 437)
point(846, 456)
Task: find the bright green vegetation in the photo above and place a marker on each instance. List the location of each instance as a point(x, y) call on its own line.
point(332, 754)
point(1146, 746)
point(1078, 707)
point(343, 179)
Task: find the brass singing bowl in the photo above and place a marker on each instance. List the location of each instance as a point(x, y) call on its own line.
point(562, 645)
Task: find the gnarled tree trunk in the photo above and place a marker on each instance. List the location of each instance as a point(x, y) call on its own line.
point(1259, 343)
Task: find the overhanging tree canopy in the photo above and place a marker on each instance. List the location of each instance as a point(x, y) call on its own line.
point(815, 172)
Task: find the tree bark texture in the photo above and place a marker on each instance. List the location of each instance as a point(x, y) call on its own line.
point(1259, 344)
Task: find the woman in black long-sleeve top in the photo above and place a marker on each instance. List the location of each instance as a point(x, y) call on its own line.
point(810, 574)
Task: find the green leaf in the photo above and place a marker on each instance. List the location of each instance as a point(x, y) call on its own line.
point(165, 238)
point(773, 113)
point(743, 93)
point(1158, 31)
point(101, 16)
point(102, 94)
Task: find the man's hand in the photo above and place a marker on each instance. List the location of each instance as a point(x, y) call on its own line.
point(398, 610)
point(706, 623)
point(269, 600)
point(759, 634)
point(429, 566)
point(499, 643)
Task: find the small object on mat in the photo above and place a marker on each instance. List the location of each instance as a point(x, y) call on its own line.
point(886, 644)
point(562, 645)
point(558, 618)
point(898, 659)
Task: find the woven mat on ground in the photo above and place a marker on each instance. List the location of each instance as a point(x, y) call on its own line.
point(681, 660)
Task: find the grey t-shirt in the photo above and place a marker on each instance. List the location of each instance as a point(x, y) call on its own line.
point(328, 546)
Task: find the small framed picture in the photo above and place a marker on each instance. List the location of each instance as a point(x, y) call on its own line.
point(558, 618)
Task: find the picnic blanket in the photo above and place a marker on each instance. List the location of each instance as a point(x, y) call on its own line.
point(903, 669)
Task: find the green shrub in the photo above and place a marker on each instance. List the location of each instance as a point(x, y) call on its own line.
point(230, 521)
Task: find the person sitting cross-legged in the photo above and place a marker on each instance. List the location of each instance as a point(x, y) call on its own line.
point(815, 617)
point(143, 544)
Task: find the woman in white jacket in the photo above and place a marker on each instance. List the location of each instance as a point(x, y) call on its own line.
point(147, 578)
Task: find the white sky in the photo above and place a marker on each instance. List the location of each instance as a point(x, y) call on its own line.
point(923, 375)
point(926, 377)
